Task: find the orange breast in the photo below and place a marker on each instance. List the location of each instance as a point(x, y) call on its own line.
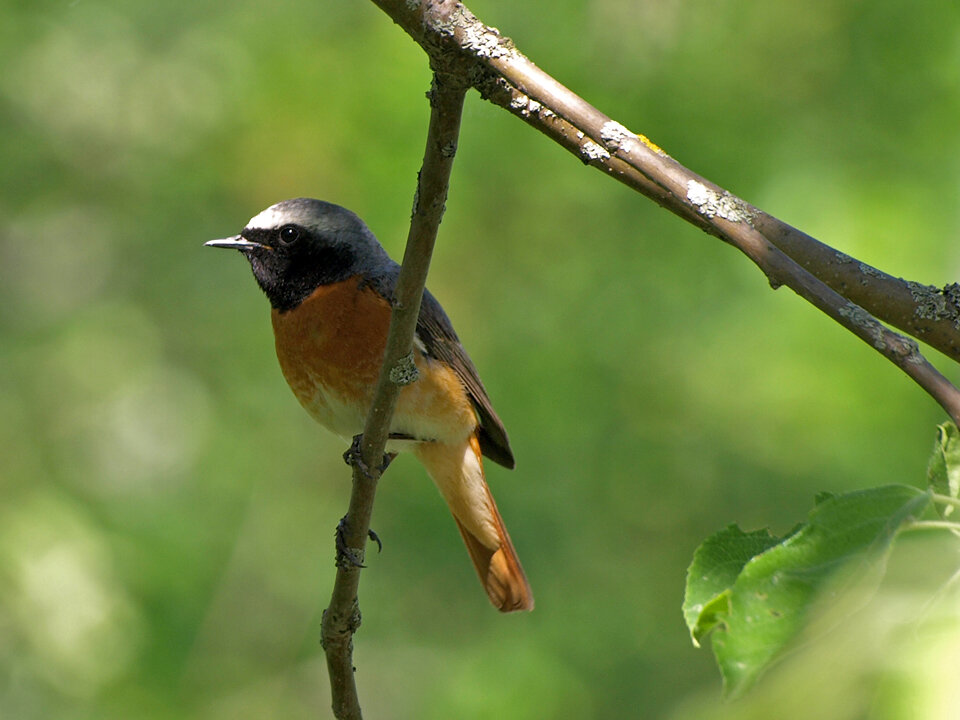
point(335, 338)
point(330, 348)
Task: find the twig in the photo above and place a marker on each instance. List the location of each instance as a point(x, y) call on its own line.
point(934, 525)
point(342, 618)
point(946, 500)
point(849, 291)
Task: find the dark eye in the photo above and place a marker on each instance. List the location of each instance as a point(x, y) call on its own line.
point(289, 234)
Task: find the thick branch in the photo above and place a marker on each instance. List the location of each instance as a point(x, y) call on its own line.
point(850, 291)
point(342, 618)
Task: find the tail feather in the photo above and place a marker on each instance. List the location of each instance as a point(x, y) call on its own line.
point(500, 572)
point(458, 473)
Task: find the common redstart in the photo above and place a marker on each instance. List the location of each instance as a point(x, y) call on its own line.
point(330, 284)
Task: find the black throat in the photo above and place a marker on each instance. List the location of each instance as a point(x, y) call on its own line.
point(288, 280)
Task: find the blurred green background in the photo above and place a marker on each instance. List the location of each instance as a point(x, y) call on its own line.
point(167, 509)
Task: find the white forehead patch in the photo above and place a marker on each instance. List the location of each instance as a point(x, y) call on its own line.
point(267, 220)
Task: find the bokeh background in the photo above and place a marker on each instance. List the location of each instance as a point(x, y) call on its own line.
point(167, 509)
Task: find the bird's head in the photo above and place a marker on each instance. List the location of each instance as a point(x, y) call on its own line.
point(298, 245)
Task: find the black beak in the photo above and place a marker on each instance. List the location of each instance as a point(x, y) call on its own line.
point(237, 242)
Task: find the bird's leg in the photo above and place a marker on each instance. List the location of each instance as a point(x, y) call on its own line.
point(347, 556)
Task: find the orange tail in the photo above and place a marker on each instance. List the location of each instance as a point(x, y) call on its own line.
point(457, 471)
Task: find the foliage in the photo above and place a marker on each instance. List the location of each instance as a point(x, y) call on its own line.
point(943, 470)
point(755, 592)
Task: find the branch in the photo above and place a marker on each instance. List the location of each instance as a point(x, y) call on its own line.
point(849, 291)
point(342, 618)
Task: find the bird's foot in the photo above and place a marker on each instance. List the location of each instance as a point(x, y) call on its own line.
point(348, 556)
point(354, 458)
point(387, 459)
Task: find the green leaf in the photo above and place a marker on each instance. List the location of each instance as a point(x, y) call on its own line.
point(758, 604)
point(715, 567)
point(822, 496)
point(943, 470)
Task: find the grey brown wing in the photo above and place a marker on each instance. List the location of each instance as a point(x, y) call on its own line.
point(441, 342)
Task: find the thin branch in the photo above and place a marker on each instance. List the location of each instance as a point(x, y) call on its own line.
point(849, 291)
point(946, 500)
point(926, 312)
point(933, 525)
point(465, 52)
point(342, 618)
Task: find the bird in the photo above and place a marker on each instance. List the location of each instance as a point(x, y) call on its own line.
point(331, 286)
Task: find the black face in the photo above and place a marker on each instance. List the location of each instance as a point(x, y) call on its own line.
point(290, 262)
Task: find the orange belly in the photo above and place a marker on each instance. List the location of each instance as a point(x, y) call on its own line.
point(330, 349)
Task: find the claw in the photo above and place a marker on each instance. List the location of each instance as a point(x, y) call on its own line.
point(373, 536)
point(353, 457)
point(387, 459)
point(348, 556)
